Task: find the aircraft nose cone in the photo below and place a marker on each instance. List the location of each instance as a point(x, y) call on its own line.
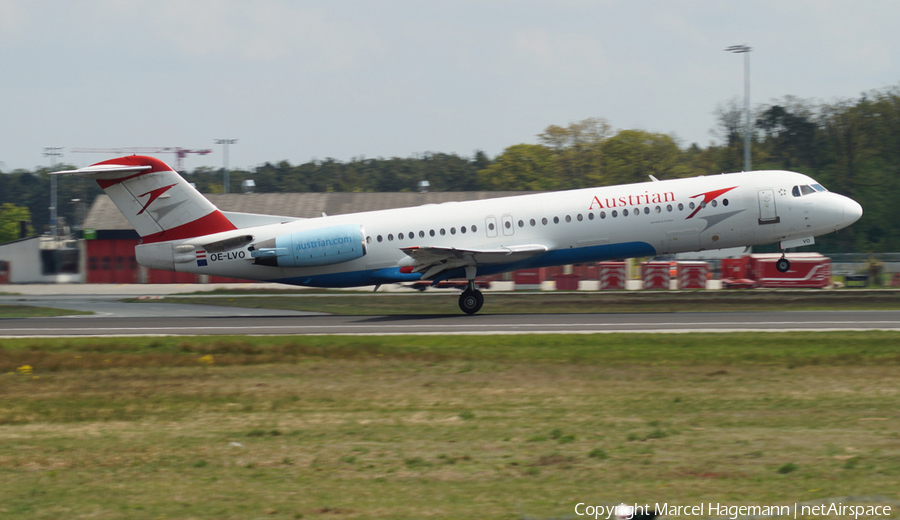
point(852, 211)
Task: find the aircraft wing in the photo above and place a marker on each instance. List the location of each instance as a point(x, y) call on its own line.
point(433, 260)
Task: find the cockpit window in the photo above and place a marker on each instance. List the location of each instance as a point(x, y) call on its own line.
point(799, 191)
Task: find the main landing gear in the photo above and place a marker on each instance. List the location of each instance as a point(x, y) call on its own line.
point(471, 300)
point(783, 264)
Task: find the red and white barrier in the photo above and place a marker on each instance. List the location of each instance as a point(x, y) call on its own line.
point(612, 276)
point(692, 275)
point(655, 275)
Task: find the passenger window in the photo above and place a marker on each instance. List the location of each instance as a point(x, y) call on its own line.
point(556, 220)
point(491, 226)
point(379, 238)
point(474, 229)
point(443, 232)
point(602, 214)
point(647, 210)
point(579, 217)
point(590, 216)
point(680, 207)
point(390, 237)
point(532, 222)
point(615, 213)
point(400, 236)
point(421, 234)
point(669, 208)
point(431, 232)
point(463, 230)
point(453, 231)
point(544, 221)
point(691, 205)
point(624, 213)
point(568, 218)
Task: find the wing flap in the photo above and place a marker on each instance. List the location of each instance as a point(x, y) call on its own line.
point(433, 260)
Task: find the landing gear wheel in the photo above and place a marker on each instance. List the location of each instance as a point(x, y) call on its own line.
point(783, 265)
point(470, 301)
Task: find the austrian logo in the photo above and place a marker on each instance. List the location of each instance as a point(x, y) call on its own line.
point(708, 197)
point(154, 194)
point(632, 200)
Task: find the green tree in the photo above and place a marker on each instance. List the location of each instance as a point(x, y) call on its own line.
point(633, 155)
point(578, 151)
point(10, 216)
point(527, 167)
point(790, 134)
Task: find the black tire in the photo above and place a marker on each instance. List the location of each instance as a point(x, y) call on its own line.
point(470, 301)
point(783, 265)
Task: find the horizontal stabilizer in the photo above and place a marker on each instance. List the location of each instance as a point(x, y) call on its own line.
point(105, 171)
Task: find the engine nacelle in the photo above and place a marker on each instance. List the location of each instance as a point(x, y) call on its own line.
point(323, 246)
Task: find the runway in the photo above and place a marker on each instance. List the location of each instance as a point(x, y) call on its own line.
point(266, 322)
point(113, 317)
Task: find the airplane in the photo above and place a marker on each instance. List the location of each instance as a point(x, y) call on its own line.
point(183, 231)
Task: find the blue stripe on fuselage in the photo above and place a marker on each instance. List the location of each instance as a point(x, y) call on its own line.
point(555, 257)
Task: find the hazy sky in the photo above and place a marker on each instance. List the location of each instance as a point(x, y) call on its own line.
point(298, 80)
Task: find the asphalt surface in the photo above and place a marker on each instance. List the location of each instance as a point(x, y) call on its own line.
point(114, 318)
point(174, 321)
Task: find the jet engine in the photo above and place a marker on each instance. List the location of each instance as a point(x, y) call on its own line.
point(322, 246)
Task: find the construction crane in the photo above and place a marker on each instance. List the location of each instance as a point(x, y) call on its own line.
point(179, 152)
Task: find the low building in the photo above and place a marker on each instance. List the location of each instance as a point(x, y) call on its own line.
point(40, 259)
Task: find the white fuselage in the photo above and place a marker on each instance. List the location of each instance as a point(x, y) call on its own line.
point(594, 224)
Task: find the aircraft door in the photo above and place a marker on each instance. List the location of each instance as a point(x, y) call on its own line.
point(508, 227)
point(490, 226)
point(768, 213)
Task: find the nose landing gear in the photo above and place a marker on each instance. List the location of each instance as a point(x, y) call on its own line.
point(783, 264)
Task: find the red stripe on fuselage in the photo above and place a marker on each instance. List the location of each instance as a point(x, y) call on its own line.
point(215, 222)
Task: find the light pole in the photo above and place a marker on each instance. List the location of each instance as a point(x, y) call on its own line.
point(53, 152)
point(745, 50)
point(225, 142)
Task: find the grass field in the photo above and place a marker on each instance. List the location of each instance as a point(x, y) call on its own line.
point(28, 311)
point(555, 302)
point(442, 427)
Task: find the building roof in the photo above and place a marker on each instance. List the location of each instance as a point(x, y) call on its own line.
point(104, 215)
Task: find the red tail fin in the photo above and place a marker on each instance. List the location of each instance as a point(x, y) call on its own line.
point(158, 202)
